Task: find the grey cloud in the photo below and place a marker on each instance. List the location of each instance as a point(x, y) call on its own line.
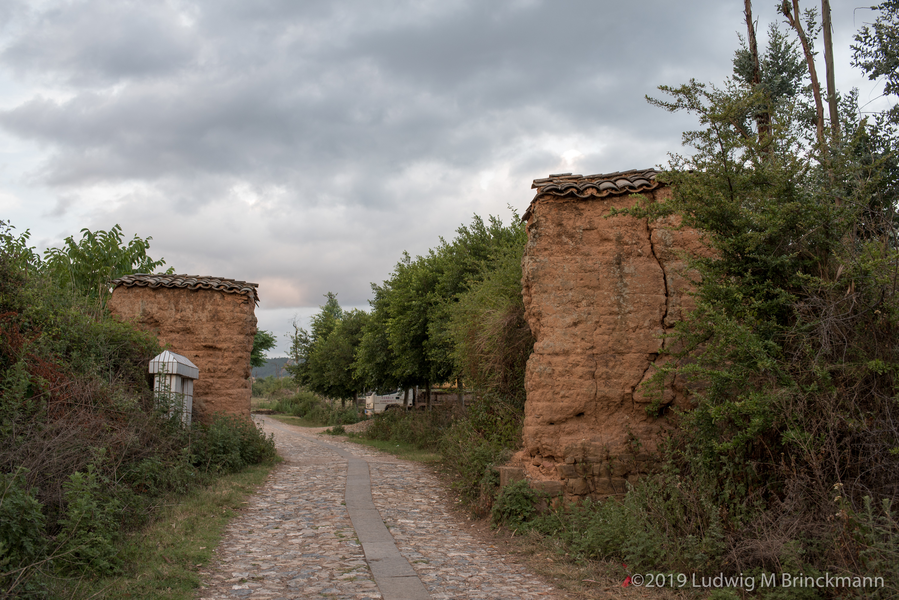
point(101, 43)
point(269, 101)
point(354, 129)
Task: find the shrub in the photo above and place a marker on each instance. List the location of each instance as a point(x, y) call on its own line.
point(273, 388)
point(22, 536)
point(90, 527)
point(515, 505)
point(422, 429)
point(229, 444)
point(664, 523)
point(312, 407)
point(84, 452)
point(476, 444)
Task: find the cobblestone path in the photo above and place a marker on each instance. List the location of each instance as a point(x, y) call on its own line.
point(296, 539)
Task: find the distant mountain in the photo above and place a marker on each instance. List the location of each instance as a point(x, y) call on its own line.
point(273, 366)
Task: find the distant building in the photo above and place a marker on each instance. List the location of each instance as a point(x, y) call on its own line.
point(209, 320)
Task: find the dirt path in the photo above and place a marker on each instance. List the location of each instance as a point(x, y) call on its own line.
point(339, 520)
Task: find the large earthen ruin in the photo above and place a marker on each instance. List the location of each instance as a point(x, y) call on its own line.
point(209, 320)
point(599, 293)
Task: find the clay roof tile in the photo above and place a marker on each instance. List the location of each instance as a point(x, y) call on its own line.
point(191, 282)
point(593, 186)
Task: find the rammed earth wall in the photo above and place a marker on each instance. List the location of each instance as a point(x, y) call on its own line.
point(212, 328)
point(599, 294)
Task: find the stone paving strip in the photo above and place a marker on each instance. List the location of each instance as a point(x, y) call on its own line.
point(296, 538)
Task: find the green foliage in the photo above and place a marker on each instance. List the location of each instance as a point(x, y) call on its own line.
point(374, 357)
point(788, 351)
point(491, 339)
point(324, 359)
point(455, 313)
point(272, 387)
point(262, 342)
point(412, 337)
point(304, 345)
point(15, 248)
point(86, 267)
point(782, 67)
point(84, 454)
point(23, 540)
point(229, 444)
point(420, 429)
point(793, 238)
point(665, 523)
point(90, 528)
point(875, 529)
point(875, 51)
point(477, 443)
point(336, 430)
point(515, 505)
point(312, 407)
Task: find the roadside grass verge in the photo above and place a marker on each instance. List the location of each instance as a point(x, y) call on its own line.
point(262, 404)
point(295, 421)
point(398, 449)
point(583, 579)
point(165, 559)
point(315, 410)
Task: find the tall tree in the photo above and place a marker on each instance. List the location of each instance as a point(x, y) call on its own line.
point(375, 363)
point(303, 343)
point(780, 73)
point(411, 311)
point(332, 362)
point(832, 99)
point(876, 51)
point(806, 38)
point(784, 338)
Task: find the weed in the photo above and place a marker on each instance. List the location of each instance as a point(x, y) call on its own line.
point(515, 505)
point(90, 528)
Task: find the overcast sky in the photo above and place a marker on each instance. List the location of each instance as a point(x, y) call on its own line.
point(304, 145)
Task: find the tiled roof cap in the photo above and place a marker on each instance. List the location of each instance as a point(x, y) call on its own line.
point(190, 282)
point(594, 186)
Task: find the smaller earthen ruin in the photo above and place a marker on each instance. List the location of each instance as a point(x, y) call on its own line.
point(599, 293)
point(209, 320)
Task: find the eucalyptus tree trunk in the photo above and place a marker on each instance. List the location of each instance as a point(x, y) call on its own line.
point(828, 65)
point(763, 118)
point(794, 18)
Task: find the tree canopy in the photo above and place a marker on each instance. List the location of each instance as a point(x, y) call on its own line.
point(87, 266)
point(263, 341)
point(420, 318)
point(876, 51)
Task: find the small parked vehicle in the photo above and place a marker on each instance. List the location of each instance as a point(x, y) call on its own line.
point(375, 404)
